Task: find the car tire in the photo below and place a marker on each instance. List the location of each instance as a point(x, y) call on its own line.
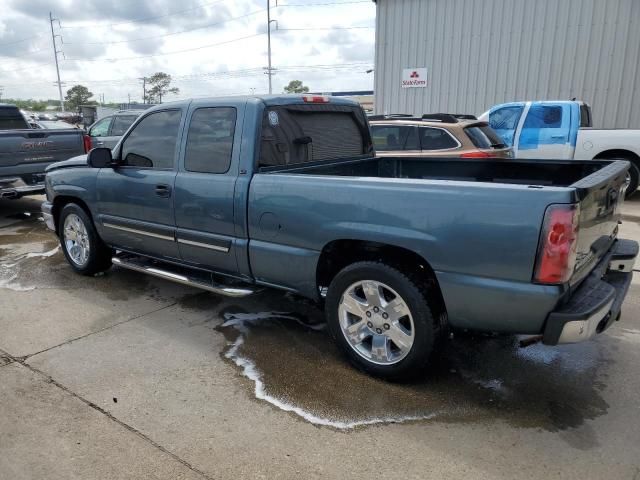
point(392, 336)
point(634, 178)
point(82, 246)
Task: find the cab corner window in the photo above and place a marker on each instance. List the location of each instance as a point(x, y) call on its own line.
point(152, 143)
point(210, 140)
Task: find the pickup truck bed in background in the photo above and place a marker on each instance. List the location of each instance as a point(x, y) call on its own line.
point(230, 193)
point(26, 152)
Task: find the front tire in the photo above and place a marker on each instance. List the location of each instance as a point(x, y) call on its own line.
point(382, 320)
point(83, 248)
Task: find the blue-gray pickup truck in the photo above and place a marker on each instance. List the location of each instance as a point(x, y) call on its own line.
point(235, 194)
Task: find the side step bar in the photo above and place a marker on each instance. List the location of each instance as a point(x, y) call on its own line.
point(179, 275)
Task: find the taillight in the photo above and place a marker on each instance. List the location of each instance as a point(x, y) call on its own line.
point(557, 250)
point(315, 99)
point(86, 142)
point(477, 154)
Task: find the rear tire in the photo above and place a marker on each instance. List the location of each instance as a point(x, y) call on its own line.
point(382, 320)
point(634, 178)
point(83, 248)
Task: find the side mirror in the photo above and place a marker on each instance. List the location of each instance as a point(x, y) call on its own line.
point(100, 157)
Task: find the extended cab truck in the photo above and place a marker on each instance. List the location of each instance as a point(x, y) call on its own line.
point(26, 152)
point(232, 194)
point(563, 130)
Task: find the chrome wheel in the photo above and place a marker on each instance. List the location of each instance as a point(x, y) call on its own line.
point(627, 181)
point(76, 239)
point(376, 322)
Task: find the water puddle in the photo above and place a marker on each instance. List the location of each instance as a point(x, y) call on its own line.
point(293, 365)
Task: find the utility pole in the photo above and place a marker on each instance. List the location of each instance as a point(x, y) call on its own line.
point(1, 91)
point(128, 100)
point(269, 70)
point(55, 55)
point(144, 89)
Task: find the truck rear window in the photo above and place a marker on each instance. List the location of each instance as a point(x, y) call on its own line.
point(483, 136)
point(295, 134)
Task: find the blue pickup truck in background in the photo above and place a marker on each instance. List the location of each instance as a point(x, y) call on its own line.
point(563, 129)
point(233, 194)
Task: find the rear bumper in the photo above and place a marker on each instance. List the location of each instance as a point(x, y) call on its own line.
point(597, 302)
point(19, 185)
point(47, 214)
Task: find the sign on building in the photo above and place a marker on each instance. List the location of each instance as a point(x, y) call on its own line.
point(414, 77)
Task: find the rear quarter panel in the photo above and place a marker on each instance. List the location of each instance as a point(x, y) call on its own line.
point(592, 142)
point(480, 238)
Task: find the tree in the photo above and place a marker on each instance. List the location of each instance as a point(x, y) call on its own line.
point(158, 86)
point(76, 96)
point(296, 86)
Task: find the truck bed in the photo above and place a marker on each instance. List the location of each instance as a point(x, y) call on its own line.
point(558, 173)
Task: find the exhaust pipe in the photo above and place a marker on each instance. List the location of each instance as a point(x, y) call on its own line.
point(12, 194)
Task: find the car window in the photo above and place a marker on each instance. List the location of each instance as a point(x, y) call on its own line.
point(152, 142)
point(436, 139)
point(484, 137)
point(100, 129)
point(121, 124)
point(12, 119)
point(210, 140)
point(394, 137)
point(505, 118)
point(544, 116)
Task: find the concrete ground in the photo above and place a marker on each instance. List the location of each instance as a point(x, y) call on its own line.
point(125, 376)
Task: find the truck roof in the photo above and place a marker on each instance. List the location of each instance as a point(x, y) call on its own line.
point(269, 100)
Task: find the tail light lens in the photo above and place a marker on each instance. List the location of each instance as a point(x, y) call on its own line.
point(558, 242)
point(477, 154)
point(86, 142)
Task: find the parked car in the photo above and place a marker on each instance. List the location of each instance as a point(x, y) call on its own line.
point(563, 130)
point(107, 131)
point(232, 194)
point(25, 152)
point(436, 135)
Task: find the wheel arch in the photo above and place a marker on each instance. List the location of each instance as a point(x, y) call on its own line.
point(60, 201)
point(340, 253)
point(618, 153)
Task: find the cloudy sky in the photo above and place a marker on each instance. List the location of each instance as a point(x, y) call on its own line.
point(210, 47)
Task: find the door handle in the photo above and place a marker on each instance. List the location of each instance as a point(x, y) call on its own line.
point(163, 190)
point(99, 143)
point(558, 136)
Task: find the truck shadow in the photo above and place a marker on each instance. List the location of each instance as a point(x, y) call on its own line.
point(280, 343)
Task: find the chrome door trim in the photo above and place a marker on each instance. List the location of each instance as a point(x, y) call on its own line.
point(139, 232)
point(203, 245)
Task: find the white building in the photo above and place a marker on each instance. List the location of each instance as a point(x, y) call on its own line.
point(465, 55)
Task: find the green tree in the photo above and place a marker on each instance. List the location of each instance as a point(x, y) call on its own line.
point(76, 96)
point(296, 86)
point(159, 86)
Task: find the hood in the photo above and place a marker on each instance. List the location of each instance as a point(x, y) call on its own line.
point(79, 161)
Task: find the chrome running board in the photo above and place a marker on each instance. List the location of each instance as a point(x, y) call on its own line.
point(181, 275)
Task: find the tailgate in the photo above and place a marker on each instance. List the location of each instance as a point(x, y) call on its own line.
point(600, 195)
point(32, 146)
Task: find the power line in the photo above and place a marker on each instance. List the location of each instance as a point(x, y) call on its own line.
point(171, 33)
point(22, 40)
point(146, 19)
point(320, 4)
point(167, 53)
point(321, 28)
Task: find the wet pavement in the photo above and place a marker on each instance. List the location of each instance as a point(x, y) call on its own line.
point(256, 387)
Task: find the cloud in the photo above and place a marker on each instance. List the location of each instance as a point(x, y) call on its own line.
point(107, 49)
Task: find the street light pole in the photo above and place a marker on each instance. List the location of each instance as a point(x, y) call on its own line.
point(268, 43)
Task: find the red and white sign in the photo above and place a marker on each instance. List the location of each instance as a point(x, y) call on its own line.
point(414, 77)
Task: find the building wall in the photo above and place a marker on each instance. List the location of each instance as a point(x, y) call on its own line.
point(482, 52)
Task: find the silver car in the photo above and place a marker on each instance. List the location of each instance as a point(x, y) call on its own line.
point(107, 131)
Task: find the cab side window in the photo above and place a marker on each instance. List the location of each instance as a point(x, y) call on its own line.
point(210, 140)
point(152, 142)
point(101, 129)
point(121, 124)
